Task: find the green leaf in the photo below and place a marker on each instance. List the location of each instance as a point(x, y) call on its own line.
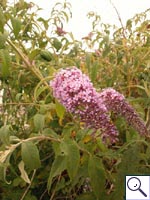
point(56, 148)
point(101, 145)
point(50, 132)
point(34, 53)
point(39, 122)
point(3, 169)
point(16, 24)
point(61, 184)
point(88, 60)
point(73, 160)
point(46, 55)
point(45, 22)
point(129, 24)
point(97, 176)
point(70, 149)
point(5, 134)
point(2, 21)
point(24, 174)
point(38, 91)
point(66, 16)
point(60, 110)
point(5, 63)
point(94, 70)
point(17, 181)
point(30, 155)
point(58, 166)
point(3, 38)
point(57, 44)
point(130, 164)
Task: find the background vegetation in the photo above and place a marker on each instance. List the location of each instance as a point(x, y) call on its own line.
point(44, 152)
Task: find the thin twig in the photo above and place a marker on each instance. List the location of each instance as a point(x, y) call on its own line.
point(119, 17)
point(19, 104)
point(40, 138)
point(27, 189)
point(54, 191)
point(43, 194)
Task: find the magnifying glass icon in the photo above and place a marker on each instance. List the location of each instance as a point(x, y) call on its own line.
point(134, 184)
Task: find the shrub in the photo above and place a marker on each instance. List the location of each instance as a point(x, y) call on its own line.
point(45, 151)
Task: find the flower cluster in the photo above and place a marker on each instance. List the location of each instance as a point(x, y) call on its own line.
point(76, 92)
point(116, 102)
point(60, 31)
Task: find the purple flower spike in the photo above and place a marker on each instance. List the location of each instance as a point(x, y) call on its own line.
point(116, 102)
point(76, 92)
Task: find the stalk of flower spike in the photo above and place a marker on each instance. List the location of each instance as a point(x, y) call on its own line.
point(114, 101)
point(76, 92)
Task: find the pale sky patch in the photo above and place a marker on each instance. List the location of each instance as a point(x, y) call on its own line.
point(80, 25)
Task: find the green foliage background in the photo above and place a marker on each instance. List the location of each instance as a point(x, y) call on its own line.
point(44, 152)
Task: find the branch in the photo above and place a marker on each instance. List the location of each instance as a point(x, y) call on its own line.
point(27, 62)
point(27, 189)
point(119, 17)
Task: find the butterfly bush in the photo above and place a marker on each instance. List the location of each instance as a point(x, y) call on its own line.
point(76, 92)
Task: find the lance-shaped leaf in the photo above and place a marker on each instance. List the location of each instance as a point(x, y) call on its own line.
point(3, 170)
point(5, 134)
point(58, 166)
point(60, 110)
point(39, 121)
point(97, 176)
point(24, 174)
point(16, 24)
point(30, 155)
point(3, 38)
point(2, 20)
point(5, 63)
point(70, 149)
point(57, 44)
